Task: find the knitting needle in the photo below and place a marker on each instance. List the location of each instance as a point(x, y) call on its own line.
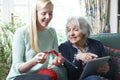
point(71, 63)
point(55, 52)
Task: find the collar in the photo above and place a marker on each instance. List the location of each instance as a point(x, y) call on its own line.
point(85, 49)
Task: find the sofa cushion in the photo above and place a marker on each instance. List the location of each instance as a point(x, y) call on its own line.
point(115, 59)
point(112, 51)
point(108, 39)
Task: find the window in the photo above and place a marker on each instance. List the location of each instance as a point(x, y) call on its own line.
point(118, 16)
point(62, 10)
point(20, 10)
point(0, 10)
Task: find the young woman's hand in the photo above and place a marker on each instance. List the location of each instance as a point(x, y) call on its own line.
point(40, 58)
point(85, 56)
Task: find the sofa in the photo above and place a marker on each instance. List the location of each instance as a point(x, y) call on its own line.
point(111, 42)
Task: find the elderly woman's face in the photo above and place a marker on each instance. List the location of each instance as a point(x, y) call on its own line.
point(74, 33)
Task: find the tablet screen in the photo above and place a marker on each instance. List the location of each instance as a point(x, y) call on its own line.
point(92, 66)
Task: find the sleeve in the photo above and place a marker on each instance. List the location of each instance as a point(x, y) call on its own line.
point(63, 49)
point(101, 48)
point(98, 48)
point(55, 40)
point(18, 49)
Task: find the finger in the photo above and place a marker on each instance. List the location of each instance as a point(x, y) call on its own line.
point(56, 60)
point(46, 53)
point(45, 56)
point(88, 57)
point(93, 55)
point(60, 60)
point(40, 54)
point(59, 55)
point(41, 58)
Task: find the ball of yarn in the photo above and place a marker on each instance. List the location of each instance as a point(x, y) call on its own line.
point(49, 72)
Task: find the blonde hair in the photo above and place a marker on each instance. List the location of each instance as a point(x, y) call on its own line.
point(39, 4)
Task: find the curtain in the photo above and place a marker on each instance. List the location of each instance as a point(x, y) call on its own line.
point(97, 12)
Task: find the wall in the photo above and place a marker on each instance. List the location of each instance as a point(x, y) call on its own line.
point(113, 16)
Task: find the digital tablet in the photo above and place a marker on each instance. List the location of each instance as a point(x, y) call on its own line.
point(92, 66)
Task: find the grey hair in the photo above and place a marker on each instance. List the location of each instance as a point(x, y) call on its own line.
point(82, 24)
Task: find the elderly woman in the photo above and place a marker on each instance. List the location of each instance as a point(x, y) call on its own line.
point(79, 48)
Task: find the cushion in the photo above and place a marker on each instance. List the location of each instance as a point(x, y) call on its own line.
point(112, 51)
point(115, 58)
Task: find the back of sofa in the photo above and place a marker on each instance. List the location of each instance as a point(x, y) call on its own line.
point(108, 39)
point(111, 42)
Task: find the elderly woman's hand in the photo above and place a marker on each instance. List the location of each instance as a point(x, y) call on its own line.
point(58, 60)
point(85, 56)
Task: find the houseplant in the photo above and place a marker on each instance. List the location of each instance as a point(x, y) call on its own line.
point(7, 30)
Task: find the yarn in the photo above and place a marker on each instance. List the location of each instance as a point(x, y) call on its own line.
point(49, 72)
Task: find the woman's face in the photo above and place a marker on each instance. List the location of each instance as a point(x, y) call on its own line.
point(44, 16)
point(74, 34)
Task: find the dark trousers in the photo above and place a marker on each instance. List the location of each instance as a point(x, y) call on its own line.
point(33, 77)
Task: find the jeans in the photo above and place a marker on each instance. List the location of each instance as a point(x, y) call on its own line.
point(93, 77)
point(33, 77)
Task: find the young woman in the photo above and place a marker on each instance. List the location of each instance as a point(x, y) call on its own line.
point(79, 48)
point(30, 44)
